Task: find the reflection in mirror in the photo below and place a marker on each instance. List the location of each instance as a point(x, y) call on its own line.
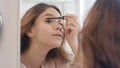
point(56, 50)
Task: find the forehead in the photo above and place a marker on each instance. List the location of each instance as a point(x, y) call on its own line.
point(50, 12)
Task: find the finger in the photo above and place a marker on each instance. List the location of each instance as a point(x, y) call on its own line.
point(71, 23)
point(69, 29)
point(72, 18)
point(74, 25)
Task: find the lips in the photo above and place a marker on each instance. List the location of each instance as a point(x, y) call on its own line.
point(58, 35)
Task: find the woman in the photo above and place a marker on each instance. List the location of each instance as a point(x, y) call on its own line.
point(43, 34)
point(101, 35)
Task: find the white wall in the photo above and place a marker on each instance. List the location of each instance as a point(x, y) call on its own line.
point(85, 6)
point(9, 41)
point(66, 6)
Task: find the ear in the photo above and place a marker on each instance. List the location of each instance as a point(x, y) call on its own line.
point(30, 33)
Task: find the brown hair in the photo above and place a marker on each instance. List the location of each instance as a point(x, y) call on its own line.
point(27, 22)
point(101, 35)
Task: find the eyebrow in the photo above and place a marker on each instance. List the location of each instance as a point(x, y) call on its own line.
point(60, 17)
point(48, 15)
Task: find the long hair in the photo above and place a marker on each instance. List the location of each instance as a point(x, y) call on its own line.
point(28, 21)
point(101, 35)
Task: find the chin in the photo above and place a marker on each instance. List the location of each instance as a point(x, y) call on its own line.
point(56, 45)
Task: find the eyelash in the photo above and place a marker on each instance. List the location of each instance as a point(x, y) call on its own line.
point(49, 21)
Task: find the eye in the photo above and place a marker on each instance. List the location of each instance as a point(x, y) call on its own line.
point(49, 20)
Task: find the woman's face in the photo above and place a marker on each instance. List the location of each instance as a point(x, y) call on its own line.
point(47, 32)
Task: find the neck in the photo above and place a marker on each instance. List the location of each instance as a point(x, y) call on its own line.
point(34, 56)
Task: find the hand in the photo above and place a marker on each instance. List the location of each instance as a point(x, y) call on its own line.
point(72, 30)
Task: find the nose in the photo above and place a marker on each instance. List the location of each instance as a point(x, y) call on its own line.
point(59, 27)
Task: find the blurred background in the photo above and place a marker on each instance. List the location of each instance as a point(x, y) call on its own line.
point(9, 34)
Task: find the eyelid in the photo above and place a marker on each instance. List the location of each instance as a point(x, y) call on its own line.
point(49, 19)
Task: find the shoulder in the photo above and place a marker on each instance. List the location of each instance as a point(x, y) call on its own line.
point(68, 64)
point(61, 64)
point(55, 63)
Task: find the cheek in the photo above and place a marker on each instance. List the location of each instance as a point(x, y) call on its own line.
point(43, 28)
point(43, 31)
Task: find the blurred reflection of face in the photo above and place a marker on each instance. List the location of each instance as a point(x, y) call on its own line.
point(48, 32)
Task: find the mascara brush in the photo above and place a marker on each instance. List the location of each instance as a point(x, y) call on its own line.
point(62, 17)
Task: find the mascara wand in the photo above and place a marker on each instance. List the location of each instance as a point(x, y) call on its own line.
point(62, 17)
